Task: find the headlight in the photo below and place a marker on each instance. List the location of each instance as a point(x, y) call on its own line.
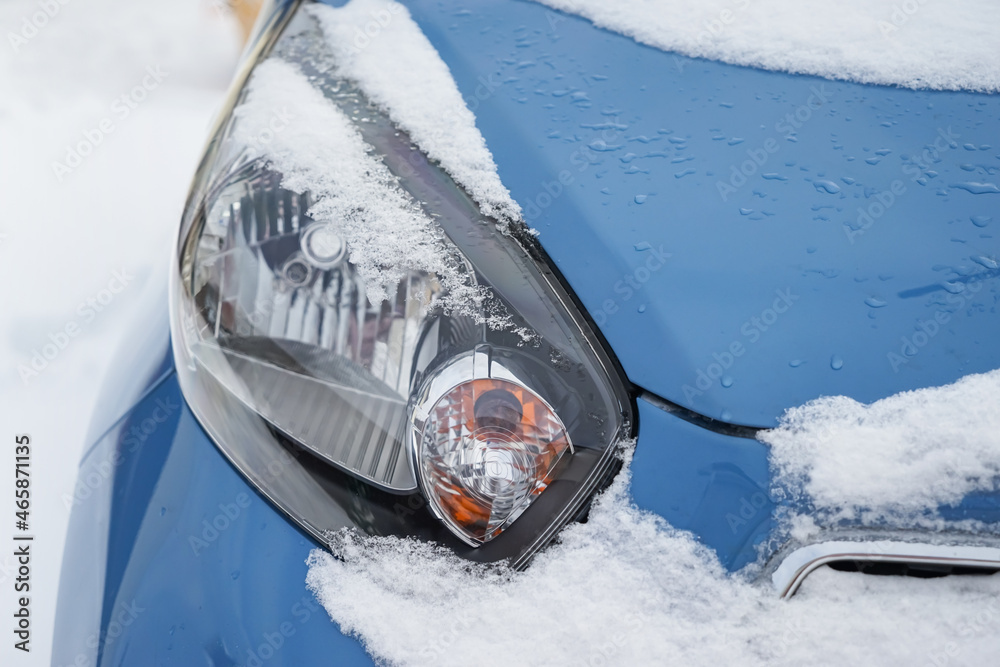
point(368, 348)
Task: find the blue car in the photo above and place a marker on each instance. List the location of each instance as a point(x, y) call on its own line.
point(365, 335)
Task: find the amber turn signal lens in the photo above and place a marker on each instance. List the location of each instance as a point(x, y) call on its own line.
point(489, 448)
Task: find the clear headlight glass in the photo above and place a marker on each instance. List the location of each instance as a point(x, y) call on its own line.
point(485, 421)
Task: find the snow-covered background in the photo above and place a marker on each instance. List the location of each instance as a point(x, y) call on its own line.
point(63, 236)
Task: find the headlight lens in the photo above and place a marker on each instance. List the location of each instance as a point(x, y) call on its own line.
point(463, 400)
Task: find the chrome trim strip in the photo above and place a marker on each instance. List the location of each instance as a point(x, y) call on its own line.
point(800, 563)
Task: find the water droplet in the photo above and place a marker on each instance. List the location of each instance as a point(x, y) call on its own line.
point(981, 220)
point(642, 245)
point(684, 173)
point(727, 381)
point(875, 302)
point(640, 199)
point(642, 308)
point(235, 574)
point(726, 416)
point(987, 262)
point(163, 511)
point(829, 187)
point(795, 363)
point(836, 363)
point(773, 177)
point(953, 288)
point(746, 211)
point(977, 188)
point(601, 146)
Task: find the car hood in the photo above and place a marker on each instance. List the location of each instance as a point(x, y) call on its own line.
point(745, 240)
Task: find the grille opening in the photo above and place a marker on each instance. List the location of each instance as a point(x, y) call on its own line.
point(899, 569)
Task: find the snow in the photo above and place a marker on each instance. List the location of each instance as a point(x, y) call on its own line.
point(626, 589)
point(61, 241)
point(910, 43)
point(387, 233)
point(897, 459)
point(378, 45)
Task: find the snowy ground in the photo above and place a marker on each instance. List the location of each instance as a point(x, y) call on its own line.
point(64, 235)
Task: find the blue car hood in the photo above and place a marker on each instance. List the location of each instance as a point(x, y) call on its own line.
point(745, 240)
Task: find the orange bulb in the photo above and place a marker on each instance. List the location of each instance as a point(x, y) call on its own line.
point(489, 448)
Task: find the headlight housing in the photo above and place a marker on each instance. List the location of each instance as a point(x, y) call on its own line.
point(447, 388)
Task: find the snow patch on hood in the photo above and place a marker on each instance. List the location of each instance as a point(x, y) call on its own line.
point(377, 45)
point(900, 458)
point(387, 233)
point(627, 589)
point(917, 44)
